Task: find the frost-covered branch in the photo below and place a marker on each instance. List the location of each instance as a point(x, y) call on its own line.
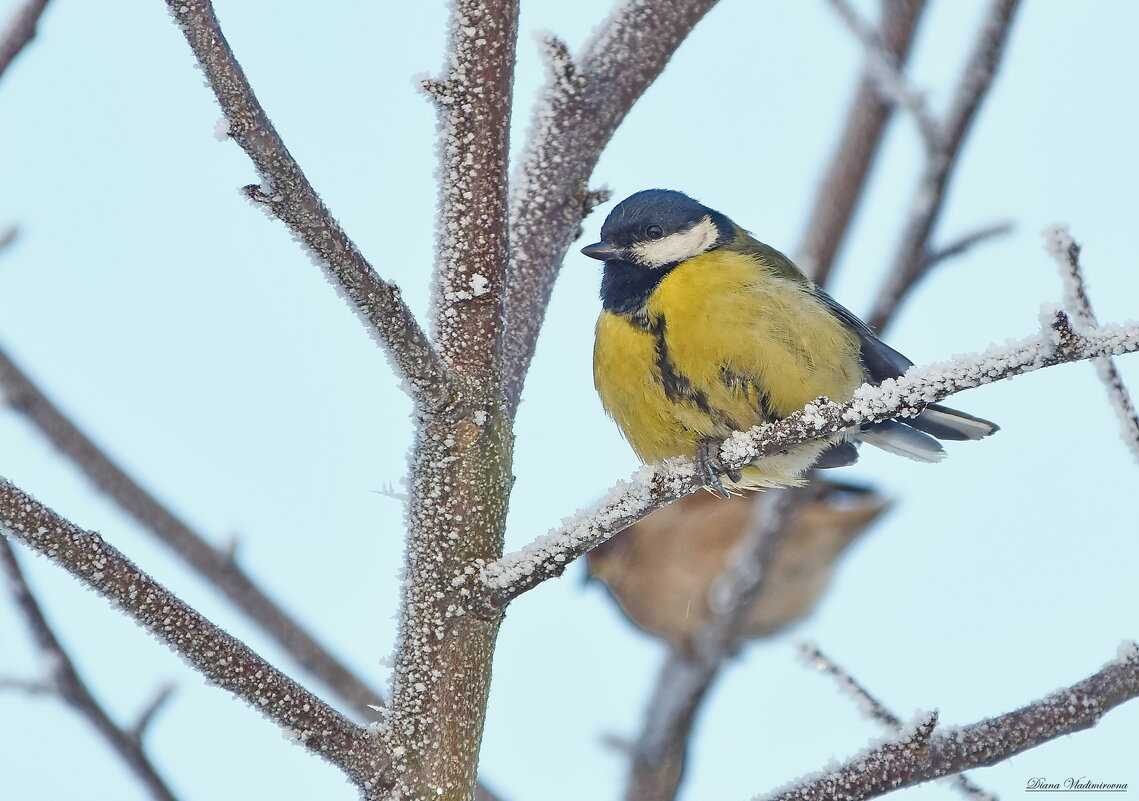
point(653, 487)
point(220, 658)
point(897, 763)
point(473, 99)
point(460, 477)
point(911, 259)
point(867, 703)
point(65, 682)
point(876, 710)
point(287, 194)
point(19, 31)
point(1076, 301)
point(583, 103)
point(658, 754)
point(883, 67)
point(841, 187)
point(23, 396)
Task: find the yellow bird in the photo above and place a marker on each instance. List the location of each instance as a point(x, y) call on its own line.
point(706, 331)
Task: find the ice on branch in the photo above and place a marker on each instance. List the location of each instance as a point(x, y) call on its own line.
point(562, 545)
point(1066, 252)
point(650, 488)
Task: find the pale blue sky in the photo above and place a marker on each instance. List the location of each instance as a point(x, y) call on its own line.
point(186, 331)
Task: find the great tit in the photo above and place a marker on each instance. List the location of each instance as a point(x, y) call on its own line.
point(705, 331)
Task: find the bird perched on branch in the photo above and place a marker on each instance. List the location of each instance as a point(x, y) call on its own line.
point(706, 331)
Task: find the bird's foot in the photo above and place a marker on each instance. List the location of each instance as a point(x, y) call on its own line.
point(710, 468)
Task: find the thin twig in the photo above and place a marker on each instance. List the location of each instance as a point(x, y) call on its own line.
point(8, 236)
point(69, 686)
point(1067, 254)
point(867, 703)
point(883, 66)
point(964, 243)
point(219, 657)
point(582, 105)
point(146, 717)
point(21, 29)
point(985, 743)
point(871, 706)
point(26, 686)
point(658, 754)
point(213, 564)
point(287, 193)
point(841, 187)
point(911, 259)
point(654, 487)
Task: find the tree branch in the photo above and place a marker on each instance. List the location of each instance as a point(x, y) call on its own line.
point(67, 684)
point(473, 100)
point(877, 711)
point(1067, 254)
point(222, 659)
point(460, 476)
point(842, 185)
point(214, 565)
point(286, 192)
point(582, 105)
point(150, 711)
point(886, 71)
point(8, 236)
point(20, 31)
point(911, 260)
point(964, 243)
point(659, 753)
point(984, 743)
point(654, 487)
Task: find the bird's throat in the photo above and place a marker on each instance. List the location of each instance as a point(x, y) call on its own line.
point(625, 287)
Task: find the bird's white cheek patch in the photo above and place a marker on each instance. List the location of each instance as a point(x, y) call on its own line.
point(679, 246)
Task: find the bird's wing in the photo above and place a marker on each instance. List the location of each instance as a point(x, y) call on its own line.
point(879, 362)
point(882, 362)
point(880, 359)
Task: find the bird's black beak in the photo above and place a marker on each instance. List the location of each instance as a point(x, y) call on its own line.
point(601, 250)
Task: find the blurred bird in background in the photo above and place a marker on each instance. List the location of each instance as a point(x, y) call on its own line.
point(662, 571)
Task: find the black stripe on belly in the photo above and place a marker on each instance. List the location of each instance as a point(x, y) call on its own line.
point(677, 387)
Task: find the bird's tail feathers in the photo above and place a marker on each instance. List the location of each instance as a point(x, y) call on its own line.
point(945, 423)
point(902, 440)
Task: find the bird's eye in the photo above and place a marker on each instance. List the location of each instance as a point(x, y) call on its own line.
point(654, 232)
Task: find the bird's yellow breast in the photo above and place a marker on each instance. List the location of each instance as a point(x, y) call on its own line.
point(724, 344)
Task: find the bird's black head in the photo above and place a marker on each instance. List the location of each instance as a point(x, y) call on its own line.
point(645, 236)
point(659, 228)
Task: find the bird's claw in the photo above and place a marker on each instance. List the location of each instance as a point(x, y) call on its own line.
point(711, 468)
